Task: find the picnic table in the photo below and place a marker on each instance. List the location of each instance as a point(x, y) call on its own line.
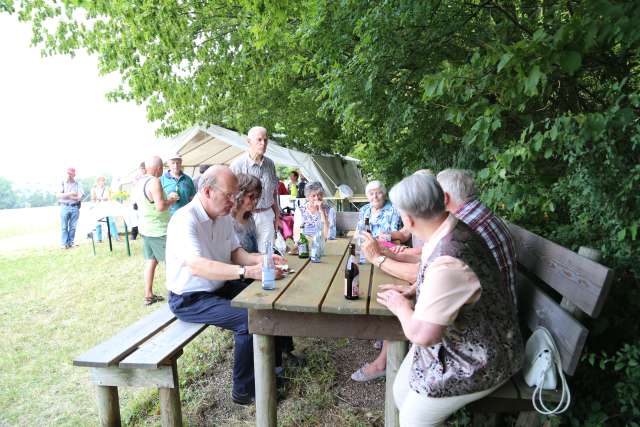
point(310, 303)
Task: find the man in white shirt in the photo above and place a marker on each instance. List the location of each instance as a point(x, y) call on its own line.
point(206, 268)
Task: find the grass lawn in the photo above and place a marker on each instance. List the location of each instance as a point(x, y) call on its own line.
point(56, 304)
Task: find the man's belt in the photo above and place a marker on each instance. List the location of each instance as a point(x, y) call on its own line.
point(261, 210)
point(73, 205)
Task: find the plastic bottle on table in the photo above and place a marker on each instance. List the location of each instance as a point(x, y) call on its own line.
point(316, 246)
point(268, 268)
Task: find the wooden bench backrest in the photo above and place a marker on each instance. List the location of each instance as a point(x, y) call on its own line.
point(346, 221)
point(581, 281)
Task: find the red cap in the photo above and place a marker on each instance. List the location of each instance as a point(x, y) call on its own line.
point(71, 171)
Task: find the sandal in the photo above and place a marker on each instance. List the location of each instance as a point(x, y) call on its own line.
point(361, 376)
point(152, 299)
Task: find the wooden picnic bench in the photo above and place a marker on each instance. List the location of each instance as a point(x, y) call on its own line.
point(142, 355)
point(557, 288)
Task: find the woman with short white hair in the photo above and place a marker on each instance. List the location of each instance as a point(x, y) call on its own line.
point(463, 328)
point(314, 214)
point(384, 219)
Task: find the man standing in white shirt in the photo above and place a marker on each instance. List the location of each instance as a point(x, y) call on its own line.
point(253, 162)
point(206, 268)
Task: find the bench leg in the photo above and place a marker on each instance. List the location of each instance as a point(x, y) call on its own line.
point(264, 365)
point(170, 407)
point(396, 352)
point(108, 405)
point(528, 419)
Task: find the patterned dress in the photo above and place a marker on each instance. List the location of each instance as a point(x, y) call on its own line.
point(483, 347)
point(309, 222)
point(247, 235)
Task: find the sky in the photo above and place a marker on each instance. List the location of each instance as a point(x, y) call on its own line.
point(54, 115)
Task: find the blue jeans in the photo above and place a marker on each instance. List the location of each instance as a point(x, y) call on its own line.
point(68, 218)
point(112, 227)
point(214, 308)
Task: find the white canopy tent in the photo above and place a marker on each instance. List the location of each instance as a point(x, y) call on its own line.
point(217, 145)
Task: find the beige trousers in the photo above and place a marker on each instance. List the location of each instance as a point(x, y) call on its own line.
point(418, 410)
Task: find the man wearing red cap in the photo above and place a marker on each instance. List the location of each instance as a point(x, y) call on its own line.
point(69, 199)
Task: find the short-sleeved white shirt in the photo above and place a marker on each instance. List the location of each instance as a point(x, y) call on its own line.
point(192, 233)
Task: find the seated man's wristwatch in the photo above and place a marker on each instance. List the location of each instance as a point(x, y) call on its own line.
point(241, 272)
point(380, 260)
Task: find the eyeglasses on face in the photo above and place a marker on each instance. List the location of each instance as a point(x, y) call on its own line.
point(229, 196)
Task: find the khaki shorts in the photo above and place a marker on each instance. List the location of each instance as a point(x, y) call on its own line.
point(154, 247)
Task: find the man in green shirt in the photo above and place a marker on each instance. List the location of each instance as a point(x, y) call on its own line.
point(152, 222)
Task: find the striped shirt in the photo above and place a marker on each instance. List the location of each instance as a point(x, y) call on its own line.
point(497, 237)
point(265, 171)
point(71, 187)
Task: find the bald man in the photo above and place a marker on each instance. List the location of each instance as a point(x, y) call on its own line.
point(207, 268)
point(254, 162)
point(153, 218)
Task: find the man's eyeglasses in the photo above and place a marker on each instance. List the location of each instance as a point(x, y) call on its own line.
point(229, 196)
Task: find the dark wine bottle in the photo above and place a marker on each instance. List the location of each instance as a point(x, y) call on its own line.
point(351, 275)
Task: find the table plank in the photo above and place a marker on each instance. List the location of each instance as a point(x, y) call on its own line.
point(335, 302)
point(379, 278)
point(256, 297)
point(309, 288)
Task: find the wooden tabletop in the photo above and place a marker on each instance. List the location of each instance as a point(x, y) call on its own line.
point(318, 287)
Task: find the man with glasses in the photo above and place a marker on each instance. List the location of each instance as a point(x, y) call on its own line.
point(254, 162)
point(206, 268)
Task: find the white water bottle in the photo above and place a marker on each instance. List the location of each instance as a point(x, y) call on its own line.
point(268, 268)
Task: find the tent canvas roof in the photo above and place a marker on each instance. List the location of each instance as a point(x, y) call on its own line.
point(217, 145)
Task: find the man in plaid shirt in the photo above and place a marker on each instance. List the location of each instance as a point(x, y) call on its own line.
point(460, 199)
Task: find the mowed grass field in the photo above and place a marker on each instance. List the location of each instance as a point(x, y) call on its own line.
point(56, 304)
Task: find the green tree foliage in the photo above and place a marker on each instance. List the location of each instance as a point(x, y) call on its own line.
point(8, 198)
point(540, 97)
point(12, 197)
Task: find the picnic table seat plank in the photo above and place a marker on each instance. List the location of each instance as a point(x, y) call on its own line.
point(309, 288)
point(584, 282)
point(526, 392)
point(378, 278)
point(335, 302)
point(505, 397)
point(110, 352)
point(256, 297)
point(537, 308)
point(162, 347)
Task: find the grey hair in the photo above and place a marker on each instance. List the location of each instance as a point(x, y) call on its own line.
point(458, 183)
point(313, 187)
point(255, 129)
point(210, 177)
point(419, 196)
point(375, 184)
point(424, 172)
